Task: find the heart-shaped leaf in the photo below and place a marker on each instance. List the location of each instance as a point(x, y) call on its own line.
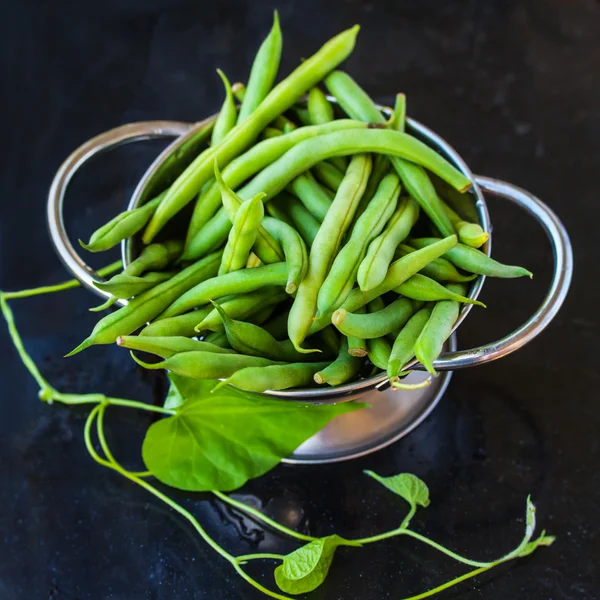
point(410, 487)
point(217, 441)
point(305, 569)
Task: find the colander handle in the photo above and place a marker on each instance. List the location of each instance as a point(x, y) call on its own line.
point(132, 132)
point(559, 286)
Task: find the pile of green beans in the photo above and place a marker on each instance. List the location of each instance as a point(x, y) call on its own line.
point(325, 242)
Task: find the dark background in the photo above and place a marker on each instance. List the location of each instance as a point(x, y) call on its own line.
point(513, 86)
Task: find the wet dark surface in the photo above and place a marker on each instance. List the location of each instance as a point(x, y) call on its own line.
point(513, 86)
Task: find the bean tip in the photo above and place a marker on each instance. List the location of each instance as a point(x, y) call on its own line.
point(291, 287)
point(338, 316)
point(319, 378)
point(85, 344)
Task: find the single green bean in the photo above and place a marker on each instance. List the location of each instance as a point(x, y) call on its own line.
point(398, 122)
point(314, 197)
point(265, 246)
point(375, 265)
point(329, 175)
point(241, 307)
point(475, 261)
point(320, 110)
point(399, 271)
point(403, 349)
point(308, 153)
point(271, 132)
point(379, 350)
point(217, 338)
point(176, 326)
point(148, 305)
point(374, 324)
point(281, 97)
point(343, 369)
point(439, 269)
point(236, 282)
point(124, 225)
point(470, 234)
point(284, 124)
point(253, 340)
point(206, 365)
point(263, 72)
point(294, 249)
point(239, 90)
point(212, 236)
point(437, 330)
point(242, 236)
point(275, 377)
point(325, 246)
point(165, 347)
point(302, 116)
point(305, 223)
point(423, 288)
point(342, 276)
point(357, 345)
point(227, 118)
point(356, 103)
point(127, 286)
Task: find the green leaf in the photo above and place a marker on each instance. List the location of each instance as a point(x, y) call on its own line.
point(305, 569)
point(410, 487)
point(217, 441)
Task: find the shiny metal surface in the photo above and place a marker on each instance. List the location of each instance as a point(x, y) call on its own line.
point(118, 136)
point(393, 413)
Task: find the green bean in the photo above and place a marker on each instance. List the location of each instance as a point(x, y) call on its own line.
point(271, 132)
point(463, 204)
point(165, 347)
point(325, 246)
point(152, 257)
point(275, 208)
point(212, 236)
point(398, 122)
point(110, 301)
point(475, 261)
point(124, 225)
point(263, 72)
point(342, 276)
point(236, 282)
point(241, 307)
point(277, 325)
point(305, 223)
point(227, 118)
point(314, 197)
point(470, 234)
point(403, 349)
point(206, 365)
point(275, 377)
point(374, 266)
point(239, 90)
point(253, 261)
point(374, 324)
point(217, 338)
point(329, 175)
point(357, 347)
point(281, 97)
point(379, 350)
point(439, 269)
point(176, 326)
point(127, 286)
point(250, 163)
point(344, 368)
point(399, 271)
point(253, 340)
point(242, 236)
point(320, 110)
point(294, 249)
point(265, 246)
point(284, 124)
point(356, 103)
point(421, 287)
point(308, 153)
point(148, 305)
point(437, 330)
point(381, 166)
point(303, 116)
